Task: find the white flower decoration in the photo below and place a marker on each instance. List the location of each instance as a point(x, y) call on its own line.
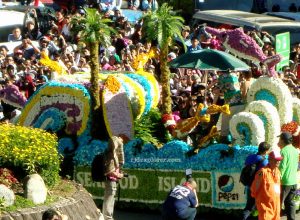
point(253, 122)
point(272, 124)
point(296, 110)
point(280, 93)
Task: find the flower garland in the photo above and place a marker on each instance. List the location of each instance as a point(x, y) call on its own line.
point(296, 110)
point(247, 128)
point(155, 92)
point(63, 97)
point(269, 115)
point(117, 112)
point(139, 95)
point(273, 90)
point(147, 88)
point(53, 65)
point(142, 58)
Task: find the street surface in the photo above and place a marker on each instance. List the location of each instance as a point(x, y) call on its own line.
point(124, 215)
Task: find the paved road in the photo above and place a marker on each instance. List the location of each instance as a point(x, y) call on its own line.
point(124, 215)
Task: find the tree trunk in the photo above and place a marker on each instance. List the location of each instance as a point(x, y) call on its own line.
point(94, 89)
point(165, 81)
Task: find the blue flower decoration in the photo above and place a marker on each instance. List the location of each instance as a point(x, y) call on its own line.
point(147, 88)
point(65, 145)
point(266, 95)
point(56, 120)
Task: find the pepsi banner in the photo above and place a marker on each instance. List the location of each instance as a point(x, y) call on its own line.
point(215, 189)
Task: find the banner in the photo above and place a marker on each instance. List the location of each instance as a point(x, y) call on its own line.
point(283, 48)
point(215, 189)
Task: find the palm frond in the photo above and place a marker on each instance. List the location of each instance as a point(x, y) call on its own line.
point(162, 25)
point(93, 28)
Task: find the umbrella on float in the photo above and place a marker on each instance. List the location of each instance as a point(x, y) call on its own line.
point(208, 59)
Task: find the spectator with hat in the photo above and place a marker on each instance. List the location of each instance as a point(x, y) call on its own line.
point(266, 188)
point(185, 34)
point(48, 46)
point(288, 168)
point(32, 31)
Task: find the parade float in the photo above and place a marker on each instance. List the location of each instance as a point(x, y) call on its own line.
point(129, 100)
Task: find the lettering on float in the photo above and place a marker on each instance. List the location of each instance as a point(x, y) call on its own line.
point(165, 184)
point(224, 196)
point(85, 179)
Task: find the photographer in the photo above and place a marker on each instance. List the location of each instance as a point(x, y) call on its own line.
point(181, 202)
point(113, 161)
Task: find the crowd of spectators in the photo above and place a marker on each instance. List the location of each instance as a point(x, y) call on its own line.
point(188, 87)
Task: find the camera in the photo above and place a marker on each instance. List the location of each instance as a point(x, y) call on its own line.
point(188, 173)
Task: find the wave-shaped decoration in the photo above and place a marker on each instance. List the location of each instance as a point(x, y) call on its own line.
point(72, 99)
point(296, 110)
point(247, 129)
point(147, 88)
point(273, 90)
point(138, 102)
point(270, 117)
point(154, 87)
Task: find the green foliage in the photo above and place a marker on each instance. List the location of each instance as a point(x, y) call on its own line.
point(31, 151)
point(92, 27)
point(162, 26)
point(21, 202)
point(150, 129)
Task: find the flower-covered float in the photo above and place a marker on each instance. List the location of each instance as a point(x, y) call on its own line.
point(128, 102)
point(65, 106)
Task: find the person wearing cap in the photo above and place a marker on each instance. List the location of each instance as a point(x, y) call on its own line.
point(288, 168)
point(46, 44)
point(261, 161)
point(266, 189)
point(32, 31)
point(181, 202)
point(186, 35)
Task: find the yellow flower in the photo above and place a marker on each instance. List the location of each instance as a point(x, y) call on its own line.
point(112, 84)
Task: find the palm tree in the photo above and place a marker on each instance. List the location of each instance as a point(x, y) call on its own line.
point(163, 26)
point(93, 30)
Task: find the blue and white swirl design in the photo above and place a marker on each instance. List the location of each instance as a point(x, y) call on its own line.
point(51, 119)
point(247, 129)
